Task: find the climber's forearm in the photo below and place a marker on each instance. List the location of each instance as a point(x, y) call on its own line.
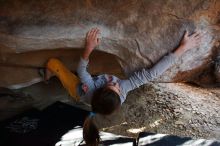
point(86, 54)
point(179, 51)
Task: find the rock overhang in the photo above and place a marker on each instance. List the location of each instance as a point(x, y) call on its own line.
point(139, 33)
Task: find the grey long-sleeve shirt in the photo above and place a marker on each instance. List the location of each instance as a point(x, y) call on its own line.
point(134, 81)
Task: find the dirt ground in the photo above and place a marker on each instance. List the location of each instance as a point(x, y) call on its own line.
point(177, 109)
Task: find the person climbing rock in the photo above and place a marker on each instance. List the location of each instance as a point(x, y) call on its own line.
point(106, 93)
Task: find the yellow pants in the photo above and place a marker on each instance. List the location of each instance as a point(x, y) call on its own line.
point(67, 78)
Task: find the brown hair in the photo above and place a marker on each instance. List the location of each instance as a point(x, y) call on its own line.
point(90, 132)
point(104, 101)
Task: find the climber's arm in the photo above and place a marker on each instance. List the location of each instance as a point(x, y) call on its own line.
point(91, 42)
point(146, 75)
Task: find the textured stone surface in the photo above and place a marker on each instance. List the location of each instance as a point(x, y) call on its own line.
point(138, 32)
point(176, 109)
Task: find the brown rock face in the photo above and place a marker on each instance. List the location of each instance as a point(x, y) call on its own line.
point(137, 32)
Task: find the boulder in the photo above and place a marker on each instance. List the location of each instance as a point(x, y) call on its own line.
point(135, 34)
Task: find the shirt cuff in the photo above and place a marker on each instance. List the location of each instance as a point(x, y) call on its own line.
point(172, 58)
point(173, 55)
point(83, 62)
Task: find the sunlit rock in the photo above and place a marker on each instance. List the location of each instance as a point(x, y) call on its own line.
point(138, 33)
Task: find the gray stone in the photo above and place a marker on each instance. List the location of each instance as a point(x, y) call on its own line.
point(138, 33)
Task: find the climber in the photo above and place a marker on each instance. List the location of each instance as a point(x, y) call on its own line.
point(106, 93)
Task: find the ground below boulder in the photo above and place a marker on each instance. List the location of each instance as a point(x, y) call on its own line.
point(177, 109)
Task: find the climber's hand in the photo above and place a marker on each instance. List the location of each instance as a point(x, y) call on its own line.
point(92, 41)
point(188, 42)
